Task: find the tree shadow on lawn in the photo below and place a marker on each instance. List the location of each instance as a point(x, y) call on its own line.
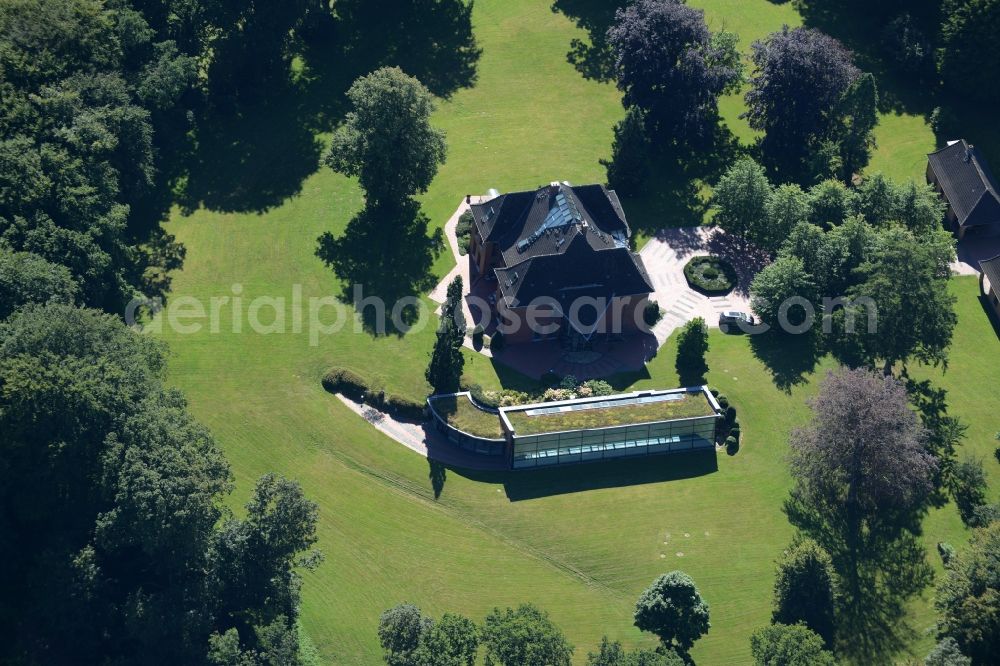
point(385, 261)
point(593, 57)
point(879, 576)
point(255, 139)
point(529, 484)
point(789, 358)
point(915, 93)
point(676, 191)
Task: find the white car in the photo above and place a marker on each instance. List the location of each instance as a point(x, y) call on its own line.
point(735, 317)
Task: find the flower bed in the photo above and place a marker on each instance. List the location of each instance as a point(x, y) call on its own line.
point(710, 275)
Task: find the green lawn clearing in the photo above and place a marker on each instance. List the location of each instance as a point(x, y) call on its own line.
point(580, 543)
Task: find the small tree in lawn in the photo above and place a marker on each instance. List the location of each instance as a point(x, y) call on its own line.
point(524, 636)
point(444, 372)
point(387, 140)
point(692, 344)
point(805, 589)
point(672, 608)
point(789, 645)
point(968, 488)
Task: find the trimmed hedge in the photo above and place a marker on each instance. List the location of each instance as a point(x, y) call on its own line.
point(651, 313)
point(355, 387)
point(404, 407)
point(342, 380)
point(710, 275)
point(463, 232)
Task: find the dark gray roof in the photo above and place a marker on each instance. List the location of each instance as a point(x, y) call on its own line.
point(579, 271)
point(991, 269)
point(562, 241)
point(967, 183)
point(545, 221)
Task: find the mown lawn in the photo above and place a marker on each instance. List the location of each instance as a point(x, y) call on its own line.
point(581, 543)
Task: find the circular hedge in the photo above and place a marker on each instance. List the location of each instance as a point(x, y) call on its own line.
point(711, 275)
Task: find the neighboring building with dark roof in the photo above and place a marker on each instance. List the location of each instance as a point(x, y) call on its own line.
point(990, 281)
point(566, 247)
point(963, 178)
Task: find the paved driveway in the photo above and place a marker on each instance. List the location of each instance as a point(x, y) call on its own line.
point(665, 257)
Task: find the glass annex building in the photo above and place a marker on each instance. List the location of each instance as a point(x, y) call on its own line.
point(632, 424)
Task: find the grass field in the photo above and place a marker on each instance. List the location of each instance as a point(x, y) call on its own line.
point(580, 543)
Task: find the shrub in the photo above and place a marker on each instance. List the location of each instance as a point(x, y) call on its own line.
point(568, 382)
point(404, 407)
point(497, 342)
point(553, 394)
point(463, 232)
point(341, 380)
point(714, 392)
point(946, 551)
point(486, 398)
point(599, 387)
point(710, 275)
point(722, 400)
point(651, 313)
point(732, 445)
point(730, 415)
point(968, 488)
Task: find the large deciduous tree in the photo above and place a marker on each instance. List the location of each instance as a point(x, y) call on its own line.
point(863, 478)
point(667, 63)
point(800, 78)
point(387, 139)
point(672, 608)
point(906, 280)
point(789, 645)
point(524, 636)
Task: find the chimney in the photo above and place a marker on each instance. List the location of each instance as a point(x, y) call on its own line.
point(968, 152)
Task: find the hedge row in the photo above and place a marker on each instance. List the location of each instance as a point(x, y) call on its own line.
point(355, 387)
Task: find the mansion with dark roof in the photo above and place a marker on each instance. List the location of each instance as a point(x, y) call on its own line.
point(566, 247)
point(962, 177)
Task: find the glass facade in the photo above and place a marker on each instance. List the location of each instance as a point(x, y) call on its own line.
point(616, 442)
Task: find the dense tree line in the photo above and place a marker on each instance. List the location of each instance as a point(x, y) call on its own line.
point(117, 547)
point(671, 608)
